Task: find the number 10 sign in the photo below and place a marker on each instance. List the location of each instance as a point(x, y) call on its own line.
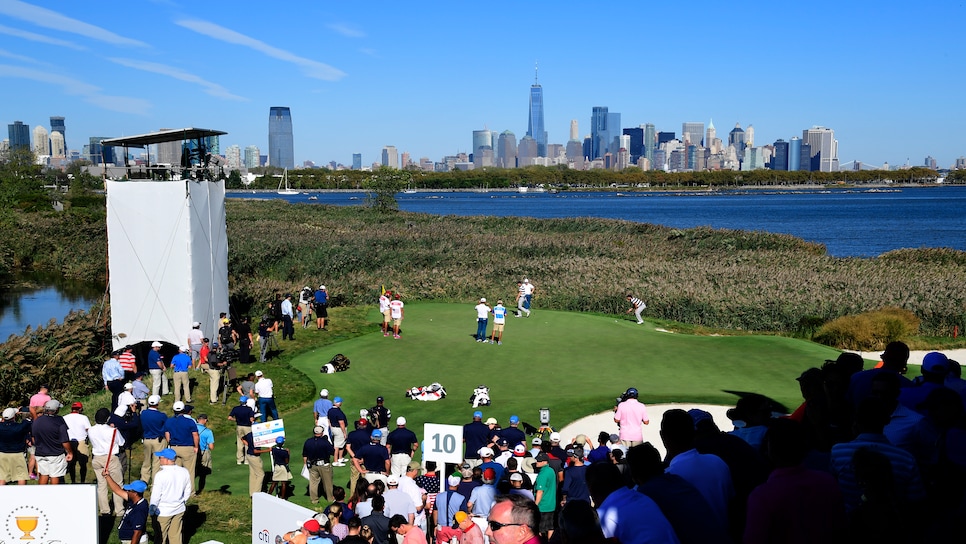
point(442, 443)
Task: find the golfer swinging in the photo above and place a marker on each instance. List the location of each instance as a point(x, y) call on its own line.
point(637, 306)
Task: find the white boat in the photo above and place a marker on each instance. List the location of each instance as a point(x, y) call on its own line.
point(522, 189)
point(313, 197)
point(286, 190)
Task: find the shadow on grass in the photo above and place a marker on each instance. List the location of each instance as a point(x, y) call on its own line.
point(775, 406)
point(194, 519)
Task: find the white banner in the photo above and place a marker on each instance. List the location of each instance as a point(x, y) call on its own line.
point(47, 514)
point(442, 443)
point(265, 434)
point(272, 517)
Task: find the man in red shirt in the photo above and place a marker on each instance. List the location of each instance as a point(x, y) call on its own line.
point(128, 363)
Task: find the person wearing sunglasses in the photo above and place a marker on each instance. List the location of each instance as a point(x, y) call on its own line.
point(513, 520)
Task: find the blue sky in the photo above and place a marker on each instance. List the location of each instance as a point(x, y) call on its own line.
point(886, 76)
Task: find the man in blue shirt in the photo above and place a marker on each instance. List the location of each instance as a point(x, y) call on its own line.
point(135, 519)
point(181, 364)
point(288, 315)
point(156, 367)
point(243, 416)
point(316, 454)
point(402, 444)
point(372, 461)
point(181, 432)
point(475, 435)
point(152, 424)
point(206, 443)
point(321, 307)
point(113, 375)
point(321, 410)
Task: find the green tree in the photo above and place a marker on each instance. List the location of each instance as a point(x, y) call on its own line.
point(381, 188)
point(234, 180)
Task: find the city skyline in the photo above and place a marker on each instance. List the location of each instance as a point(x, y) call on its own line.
point(357, 79)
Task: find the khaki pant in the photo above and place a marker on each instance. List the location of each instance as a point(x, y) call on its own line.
point(354, 475)
point(240, 431)
point(187, 458)
point(151, 464)
point(171, 528)
point(104, 493)
point(399, 464)
point(181, 383)
point(256, 473)
point(159, 382)
point(323, 474)
point(214, 381)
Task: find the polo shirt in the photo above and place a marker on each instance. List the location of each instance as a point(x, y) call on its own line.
point(13, 436)
point(50, 433)
point(373, 457)
point(401, 440)
point(905, 472)
point(181, 362)
point(205, 437)
point(710, 475)
point(243, 414)
point(513, 436)
point(152, 421)
point(318, 448)
point(476, 435)
point(154, 360)
point(181, 430)
point(633, 517)
point(135, 519)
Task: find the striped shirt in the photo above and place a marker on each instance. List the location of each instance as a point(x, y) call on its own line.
point(908, 483)
point(637, 302)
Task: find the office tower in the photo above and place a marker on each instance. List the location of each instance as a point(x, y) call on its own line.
point(824, 149)
point(233, 157)
point(736, 138)
point(575, 154)
point(506, 150)
point(58, 148)
point(750, 136)
point(19, 135)
point(252, 157)
point(710, 134)
point(677, 160)
point(805, 153)
point(357, 161)
point(960, 163)
point(404, 160)
point(650, 142)
point(794, 154)
point(780, 160)
point(213, 145)
point(99, 154)
point(425, 164)
point(574, 134)
point(660, 160)
point(483, 142)
point(535, 128)
point(526, 151)
point(604, 130)
point(664, 137)
point(281, 146)
point(635, 144)
point(57, 125)
point(390, 157)
point(929, 162)
point(41, 141)
point(753, 159)
point(691, 133)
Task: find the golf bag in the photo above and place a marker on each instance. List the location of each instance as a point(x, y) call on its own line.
point(433, 391)
point(480, 396)
point(339, 363)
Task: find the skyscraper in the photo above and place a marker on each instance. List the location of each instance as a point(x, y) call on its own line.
point(483, 142)
point(41, 141)
point(795, 154)
point(710, 134)
point(281, 146)
point(635, 145)
point(750, 136)
point(357, 161)
point(57, 125)
point(604, 130)
point(390, 157)
point(233, 157)
point(19, 135)
point(252, 157)
point(824, 149)
point(736, 138)
point(506, 150)
point(650, 142)
point(535, 128)
point(574, 133)
point(691, 133)
point(780, 160)
point(57, 147)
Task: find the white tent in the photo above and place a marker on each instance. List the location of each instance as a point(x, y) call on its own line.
point(167, 259)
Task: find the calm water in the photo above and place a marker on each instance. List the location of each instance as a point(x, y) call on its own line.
point(49, 297)
point(851, 223)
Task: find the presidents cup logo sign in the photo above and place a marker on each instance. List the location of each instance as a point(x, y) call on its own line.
point(25, 523)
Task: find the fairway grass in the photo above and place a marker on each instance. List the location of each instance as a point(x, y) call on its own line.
point(574, 364)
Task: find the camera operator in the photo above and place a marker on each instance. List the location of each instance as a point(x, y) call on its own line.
point(629, 414)
point(212, 366)
point(264, 334)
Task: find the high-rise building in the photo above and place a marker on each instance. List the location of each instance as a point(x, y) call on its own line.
point(650, 142)
point(483, 148)
point(795, 154)
point(692, 133)
point(19, 135)
point(574, 133)
point(357, 161)
point(41, 141)
point(99, 154)
point(824, 149)
point(805, 153)
point(710, 134)
point(233, 157)
point(57, 125)
point(635, 144)
point(960, 163)
point(252, 157)
point(736, 138)
point(604, 129)
point(390, 157)
point(58, 148)
point(930, 161)
point(281, 144)
point(575, 154)
point(535, 127)
point(780, 160)
point(750, 136)
point(664, 137)
point(506, 150)
point(404, 160)
point(526, 151)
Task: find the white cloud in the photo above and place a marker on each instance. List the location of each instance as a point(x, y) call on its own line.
point(53, 20)
point(16, 32)
point(310, 68)
point(21, 58)
point(346, 30)
point(91, 93)
point(211, 88)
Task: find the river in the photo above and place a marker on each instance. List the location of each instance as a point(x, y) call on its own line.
point(35, 299)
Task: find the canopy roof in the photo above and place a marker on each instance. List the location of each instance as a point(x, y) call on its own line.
point(174, 135)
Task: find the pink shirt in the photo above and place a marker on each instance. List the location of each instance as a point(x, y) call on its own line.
point(39, 399)
point(415, 535)
point(630, 414)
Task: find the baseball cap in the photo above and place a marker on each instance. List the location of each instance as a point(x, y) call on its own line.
point(392, 479)
point(196, 324)
point(502, 443)
point(129, 385)
point(311, 525)
point(155, 344)
point(183, 349)
point(555, 437)
point(400, 420)
point(614, 438)
point(542, 457)
point(536, 441)
point(489, 474)
point(519, 450)
point(376, 434)
point(516, 477)
point(580, 439)
point(9, 413)
point(77, 405)
point(318, 430)
point(453, 481)
point(414, 466)
point(514, 420)
point(478, 414)
point(699, 415)
point(138, 486)
point(491, 421)
point(280, 440)
point(935, 362)
point(482, 300)
point(337, 400)
point(52, 404)
point(154, 400)
point(486, 451)
point(379, 399)
point(324, 393)
point(461, 516)
point(188, 408)
point(167, 453)
point(178, 406)
point(363, 421)
point(322, 287)
point(259, 373)
point(243, 399)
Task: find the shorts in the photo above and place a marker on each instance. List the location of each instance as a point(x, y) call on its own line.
point(13, 467)
point(338, 437)
point(306, 309)
point(204, 460)
point(546, 522)
point(397, 321)
point(54, 466)
point(281, 473)
point(321, 310)
point(386, 316)
point(498, 327)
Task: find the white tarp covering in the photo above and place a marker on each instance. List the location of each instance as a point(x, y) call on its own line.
point(167, 259)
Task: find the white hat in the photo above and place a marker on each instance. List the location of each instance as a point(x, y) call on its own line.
point(555, 437)
point(322, 287)
point(196, 325)
point(453, 481)
point(392, 480)
point(183, 349)
point(306, 287)
point(9, 413)
point(258, 374)
point(154, 400)
point(400, 420)
point(525, 280)
point(482, 300)
point(536, 441)
point(324, 393)
point(486, 451)
point(516, 477)
point(155, 344)
point(129, 385)
point(178, 406)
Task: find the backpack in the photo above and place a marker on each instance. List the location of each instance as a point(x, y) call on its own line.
point(224, 335)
